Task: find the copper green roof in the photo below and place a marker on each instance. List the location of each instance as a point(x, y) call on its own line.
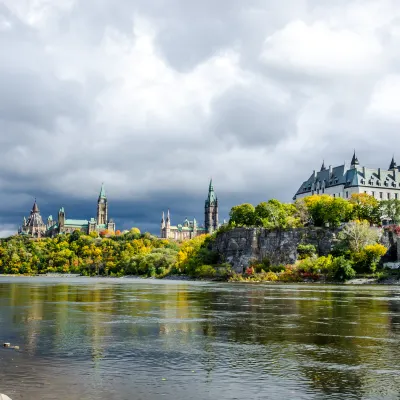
point(212, 198)
point(76, 222)
point(102, 194)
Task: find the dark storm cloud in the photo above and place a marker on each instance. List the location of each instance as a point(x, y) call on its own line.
point(156, 97)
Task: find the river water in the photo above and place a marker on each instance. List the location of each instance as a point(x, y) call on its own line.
point(123, 339)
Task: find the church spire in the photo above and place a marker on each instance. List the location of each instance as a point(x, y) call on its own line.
point(323, 166)
point(211, 194)
point(354, 160)
point(168, 217)
point(393, 164)
point(35, 207)
point(102, 194)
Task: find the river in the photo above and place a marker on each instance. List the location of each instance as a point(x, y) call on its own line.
point(124, 339)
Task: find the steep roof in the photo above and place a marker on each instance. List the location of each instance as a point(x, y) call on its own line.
point(211, 198)
point(102, 194)
point(76, 222)
point(351, 176)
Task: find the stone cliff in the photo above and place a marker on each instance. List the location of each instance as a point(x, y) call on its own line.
point(240, 245)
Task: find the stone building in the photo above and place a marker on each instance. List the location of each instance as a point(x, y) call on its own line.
point(34, 224)
point(190, 229)
point(344, 180)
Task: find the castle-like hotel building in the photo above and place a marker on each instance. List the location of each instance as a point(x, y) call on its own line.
point(344, 180)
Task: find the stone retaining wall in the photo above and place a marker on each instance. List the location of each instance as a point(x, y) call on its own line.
point(240, 245)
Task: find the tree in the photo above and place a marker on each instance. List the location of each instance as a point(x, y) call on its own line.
point(365, 207)
point(391, 209)
point(302, 211)
point(242, 215)
point(325, 209)
point(358, 234)
point(274, 214)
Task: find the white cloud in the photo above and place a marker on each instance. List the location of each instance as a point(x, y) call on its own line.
point(320, 49)
point(384, 101)
point(154, 98)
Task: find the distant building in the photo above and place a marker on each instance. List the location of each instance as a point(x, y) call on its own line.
point(344, 180)
point(35, 226)
point(190, 229)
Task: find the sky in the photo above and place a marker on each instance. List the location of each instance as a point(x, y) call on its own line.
point(155, 97)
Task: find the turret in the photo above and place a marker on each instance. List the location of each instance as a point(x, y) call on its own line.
point(61, 218)
point(167, 225)
point(393, 164)
point(354, 160)
point(211, 210)
point(163, 221)
point(102, 207)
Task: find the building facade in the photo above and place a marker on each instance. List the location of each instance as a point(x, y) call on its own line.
point(344, 180)
point(190, 229)
point(35, 226)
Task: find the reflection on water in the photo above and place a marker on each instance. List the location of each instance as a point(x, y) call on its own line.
point(134, 339)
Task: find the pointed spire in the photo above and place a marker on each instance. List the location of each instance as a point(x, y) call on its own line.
point(162, 218)
point(168, 217)
point(102, 194)
point(35, 207)
point(323, 166)
point(211, 198)
point(393, 164)
point(354, 160)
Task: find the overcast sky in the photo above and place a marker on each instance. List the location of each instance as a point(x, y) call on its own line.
point(154, 97)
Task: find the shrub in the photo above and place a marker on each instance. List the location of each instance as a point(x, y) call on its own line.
point(342, 269)
point(249, 271)
point(205, 271)
point(270, 276)
point(315, 266)
point(306, 250)
point(369, 257)
point(224, 271)
point(290, 274)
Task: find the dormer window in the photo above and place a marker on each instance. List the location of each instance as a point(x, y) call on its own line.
point(394, 184)
point(362, 182)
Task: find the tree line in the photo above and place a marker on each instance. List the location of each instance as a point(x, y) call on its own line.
point(319, 210)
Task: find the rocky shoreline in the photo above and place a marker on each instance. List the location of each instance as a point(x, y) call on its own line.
point(183, 278)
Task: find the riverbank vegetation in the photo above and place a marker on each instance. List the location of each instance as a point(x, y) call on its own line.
point(357, 252)
point(357, 249)
point(130, 253)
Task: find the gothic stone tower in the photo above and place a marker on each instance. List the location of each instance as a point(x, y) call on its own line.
point(102, 207)
point(211, 210)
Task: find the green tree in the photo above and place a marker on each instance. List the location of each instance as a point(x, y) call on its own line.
point(275, 215)
point(391, 209)
point(365, 207)
point(242, 215)
point(325, 209)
